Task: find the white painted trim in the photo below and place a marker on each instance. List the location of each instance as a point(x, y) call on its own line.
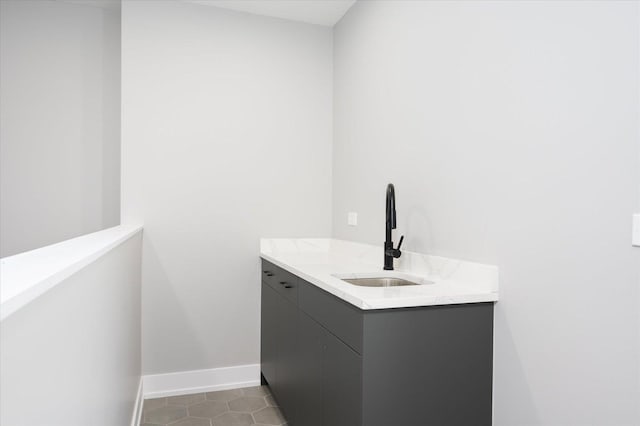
point(26, 276)
point(195, 381)
point(136, 417)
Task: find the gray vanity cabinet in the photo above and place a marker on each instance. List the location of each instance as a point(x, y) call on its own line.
point(314, 376)
point(279, 348)
point(341, 384)
point(311, 347)
point(330, 378)
point(269, 332)
point(286, 385)
point(329, 363)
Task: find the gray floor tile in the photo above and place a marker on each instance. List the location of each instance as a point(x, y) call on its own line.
point(233, 419)
point(262, 424)
point(225, 395)
point(186, 400)
point(150, 404)
point(192, 421)
point(271, 402)
point(208, 409)
point(256, 391)
point(269, 416)
point(222, 408)
point(247, 404)
point(164, 415)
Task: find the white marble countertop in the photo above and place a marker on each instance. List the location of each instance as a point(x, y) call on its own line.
point(317, 260)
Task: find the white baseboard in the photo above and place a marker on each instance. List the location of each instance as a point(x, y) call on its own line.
point(196, 381)
point(137, 408)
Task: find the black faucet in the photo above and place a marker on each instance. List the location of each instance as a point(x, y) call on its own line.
point(389, 252)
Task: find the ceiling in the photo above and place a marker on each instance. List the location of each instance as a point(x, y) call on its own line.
point(320, 12)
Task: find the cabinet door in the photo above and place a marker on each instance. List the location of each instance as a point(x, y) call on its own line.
point(341, 384)
point(268, 333)
point(285, 387)
point(311, 341)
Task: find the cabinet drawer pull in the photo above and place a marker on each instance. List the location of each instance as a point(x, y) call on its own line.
point(283, 282)
point(269, 274)
point(288, 286)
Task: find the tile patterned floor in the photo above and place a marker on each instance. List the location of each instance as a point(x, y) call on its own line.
point(235, 407)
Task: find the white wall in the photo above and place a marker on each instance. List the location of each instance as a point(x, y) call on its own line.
point(511, 132)
point(226, 139)
point(72, 356)
point(59, 122)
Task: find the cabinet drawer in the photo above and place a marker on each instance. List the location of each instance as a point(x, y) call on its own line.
point(284, 282)
point(268, 271)
point(340, 318)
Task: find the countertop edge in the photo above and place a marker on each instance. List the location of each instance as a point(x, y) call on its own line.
point(483, 297)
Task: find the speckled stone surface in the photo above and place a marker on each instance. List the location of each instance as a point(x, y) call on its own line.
point(325, 262)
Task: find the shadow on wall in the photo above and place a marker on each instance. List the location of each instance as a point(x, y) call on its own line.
point(198, 318)
point(60, 121)
point(516, 389)
point(418, 219)
point(177, 334)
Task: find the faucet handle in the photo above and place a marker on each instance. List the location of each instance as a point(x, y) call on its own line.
point(395, 252)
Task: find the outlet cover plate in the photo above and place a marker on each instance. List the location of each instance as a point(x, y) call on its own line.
point(352, 219)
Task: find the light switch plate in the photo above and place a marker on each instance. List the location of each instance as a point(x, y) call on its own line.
point(352, 219)
point(636, 230)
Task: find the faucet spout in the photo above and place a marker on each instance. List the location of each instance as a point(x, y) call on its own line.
point(391, 210)
point(390, 223)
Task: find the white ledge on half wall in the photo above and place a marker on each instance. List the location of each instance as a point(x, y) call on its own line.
point(26, 276)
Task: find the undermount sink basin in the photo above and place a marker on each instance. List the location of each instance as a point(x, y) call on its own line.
point(378, 282)
point(382, 279)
